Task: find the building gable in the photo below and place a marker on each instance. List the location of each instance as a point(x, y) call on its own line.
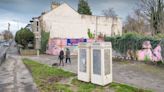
point(62, 10)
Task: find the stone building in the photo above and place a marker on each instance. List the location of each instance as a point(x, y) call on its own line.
point(64, 22)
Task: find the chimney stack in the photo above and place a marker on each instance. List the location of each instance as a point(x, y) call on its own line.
point(54, 5)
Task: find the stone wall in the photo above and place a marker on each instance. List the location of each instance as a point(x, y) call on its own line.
point(27, 52)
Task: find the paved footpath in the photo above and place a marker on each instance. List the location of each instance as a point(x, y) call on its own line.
point(133, 73)
point(14, 76)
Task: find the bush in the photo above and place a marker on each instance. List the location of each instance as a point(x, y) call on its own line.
point(24, 36)
point(146, 59)
point(90, 34)
point(159, 36)
point(130, 41)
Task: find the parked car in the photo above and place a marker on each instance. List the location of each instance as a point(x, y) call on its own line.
point(6, 44)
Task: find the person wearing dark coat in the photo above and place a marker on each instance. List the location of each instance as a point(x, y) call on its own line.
point(68, 56)
point(61, 57)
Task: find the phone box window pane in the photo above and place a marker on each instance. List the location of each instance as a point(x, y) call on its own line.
point(107, 61)
point(97, 62)
point(83, 60)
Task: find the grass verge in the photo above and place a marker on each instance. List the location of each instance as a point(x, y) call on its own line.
point(126, 88)
point(116, 87)
point(49, 79)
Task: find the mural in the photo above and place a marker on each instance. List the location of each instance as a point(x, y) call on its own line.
point(56, 44)
point(147, 53)
point(74, 42)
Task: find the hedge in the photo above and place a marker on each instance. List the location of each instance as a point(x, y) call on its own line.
point(130, 41)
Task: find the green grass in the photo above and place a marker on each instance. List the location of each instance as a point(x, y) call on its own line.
point(48, 79)
point(83, 86)
point(126, 88)
point(44, 70)
point(63, 87)
point(117, 87)
point(160, 63)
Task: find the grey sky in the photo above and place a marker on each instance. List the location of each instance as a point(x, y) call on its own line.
point(19, 12)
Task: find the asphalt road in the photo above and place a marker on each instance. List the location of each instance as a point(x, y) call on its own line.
point(2, 48)
point(2, 54)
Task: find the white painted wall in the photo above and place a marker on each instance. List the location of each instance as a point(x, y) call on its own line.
point(64, 22)
point(1, 37)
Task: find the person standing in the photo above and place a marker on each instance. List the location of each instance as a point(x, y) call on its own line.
point(61, 57)
point(68, 56)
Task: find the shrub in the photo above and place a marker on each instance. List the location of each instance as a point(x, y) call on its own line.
point(146, 59)
point(130, 41)
point(90, 34)
point(159, 36)
point(24, 36)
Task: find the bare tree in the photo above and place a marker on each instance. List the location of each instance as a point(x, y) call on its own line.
point(7, 35)
point(136, 23)
point(109, 13)
point(153, 11)
point(129, 24)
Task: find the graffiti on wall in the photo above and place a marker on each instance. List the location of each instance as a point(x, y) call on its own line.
point(74, 42)
point(147, 53)
point(56, 44)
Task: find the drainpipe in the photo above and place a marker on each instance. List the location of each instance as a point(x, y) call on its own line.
point(96, 31)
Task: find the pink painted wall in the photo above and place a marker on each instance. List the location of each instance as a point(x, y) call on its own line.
point(56, 44)
point(153, 55)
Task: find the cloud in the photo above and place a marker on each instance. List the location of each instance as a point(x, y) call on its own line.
point(9, 17)
point(122, 7)
point(37, 6)
point(24, 6)
point(23, 10)
point(14, 25)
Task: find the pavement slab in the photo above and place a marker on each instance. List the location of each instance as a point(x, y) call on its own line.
point(14, 76)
